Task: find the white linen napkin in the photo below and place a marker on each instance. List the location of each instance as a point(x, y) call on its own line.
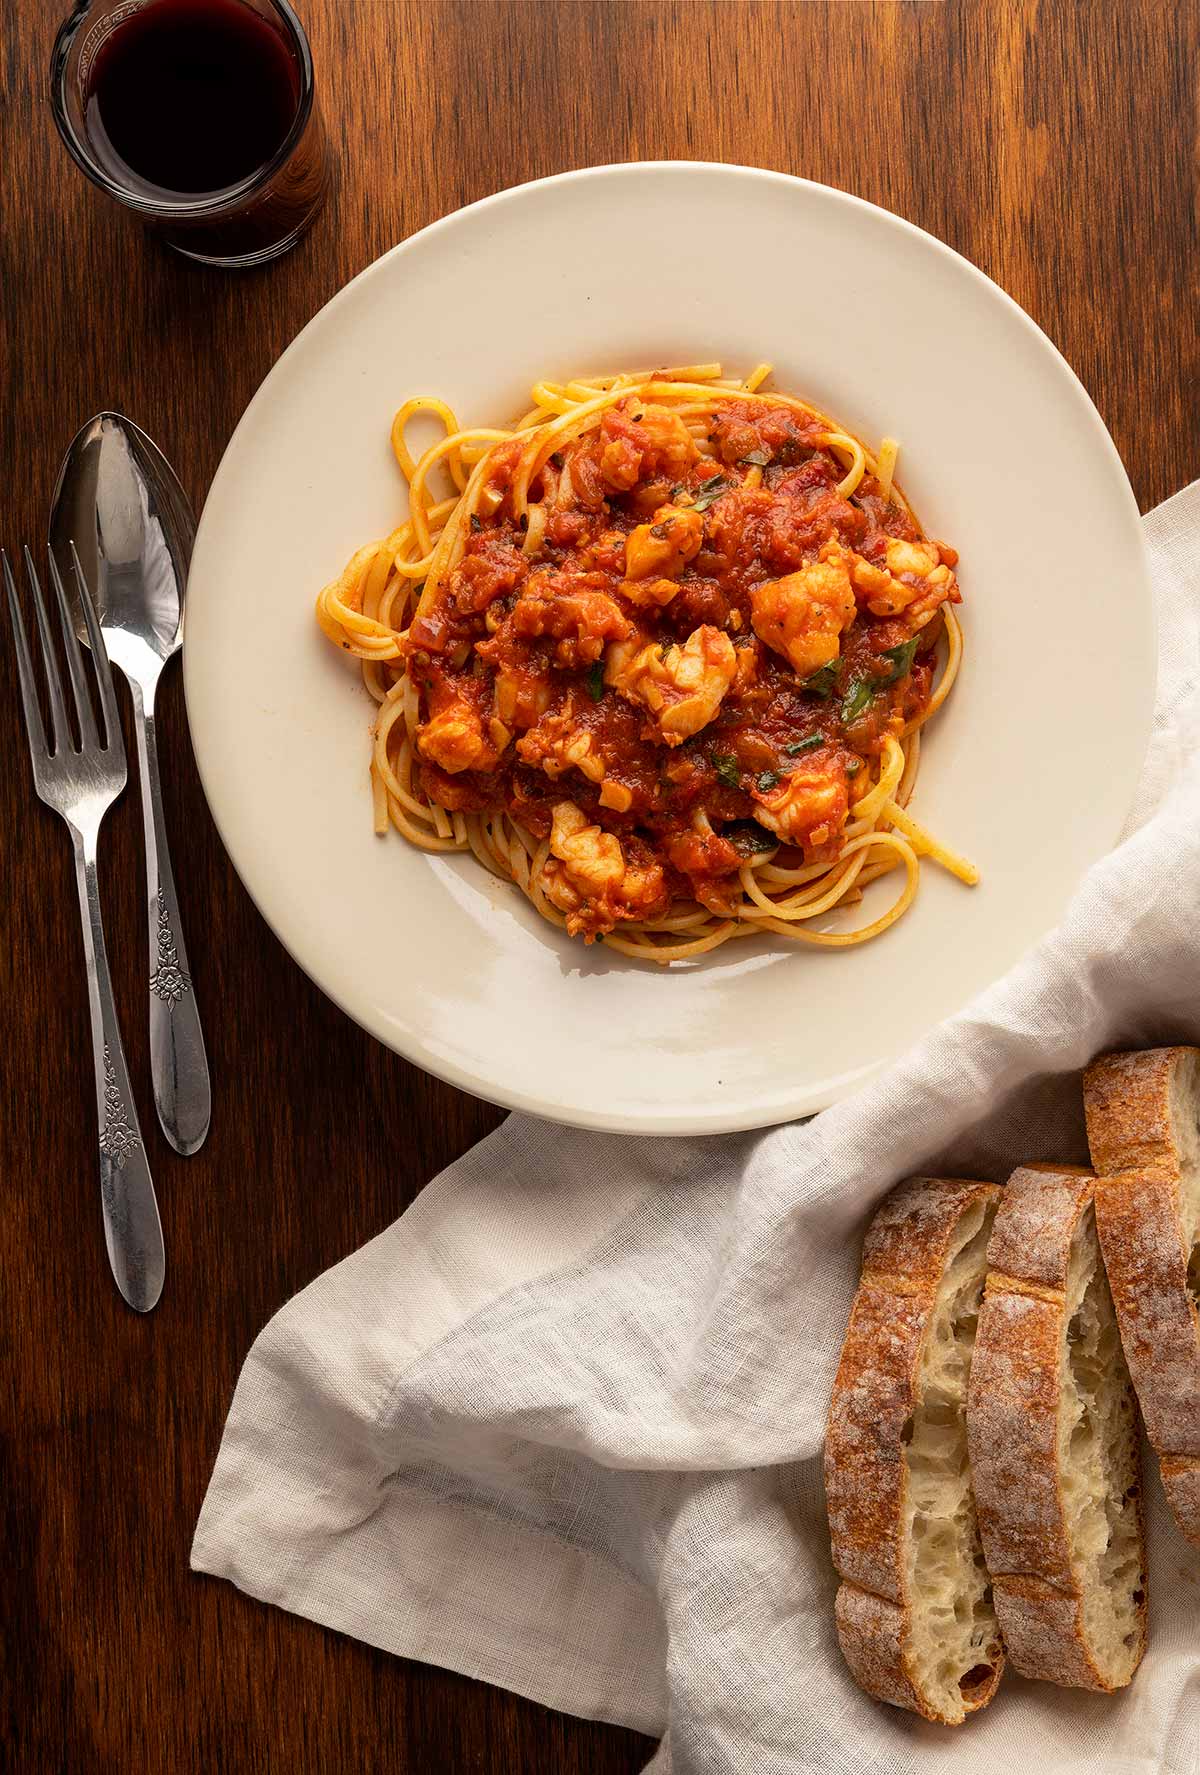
point(560, 1426)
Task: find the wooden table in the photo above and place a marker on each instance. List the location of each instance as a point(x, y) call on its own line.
point(1053, 145)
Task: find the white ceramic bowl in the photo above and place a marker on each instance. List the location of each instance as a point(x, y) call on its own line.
point(1029, 769)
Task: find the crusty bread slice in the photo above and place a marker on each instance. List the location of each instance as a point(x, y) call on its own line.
point(1143, 1122)
point(914, 1610)
point(1053, 1434)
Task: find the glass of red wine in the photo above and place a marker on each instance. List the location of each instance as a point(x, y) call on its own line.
point(199, 115)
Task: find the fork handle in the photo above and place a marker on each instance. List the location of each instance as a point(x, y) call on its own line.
point(178, 1062)
point(132, 1230)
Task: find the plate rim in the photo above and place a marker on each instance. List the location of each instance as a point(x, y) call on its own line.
point(406, 1041)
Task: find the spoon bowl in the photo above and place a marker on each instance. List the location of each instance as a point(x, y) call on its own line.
point(120, 502)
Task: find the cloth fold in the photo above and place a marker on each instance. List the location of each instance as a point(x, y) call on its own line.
point(560, 1426)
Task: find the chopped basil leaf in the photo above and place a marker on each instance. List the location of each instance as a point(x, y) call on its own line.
point(823, 681)
point(595, 680)
point(854, 766)
point(665, 646)
point(759, 458)
point(807, 744)
point(858, 695)
point(678, 492)
point(710, 490)
point(901, 659)
point(476, 522)
point(726, 767)
point(767, 780)
point(748, 839)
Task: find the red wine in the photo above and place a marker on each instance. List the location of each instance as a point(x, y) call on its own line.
point(191, 96)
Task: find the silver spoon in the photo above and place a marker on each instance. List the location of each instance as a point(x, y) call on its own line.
point(118, 500)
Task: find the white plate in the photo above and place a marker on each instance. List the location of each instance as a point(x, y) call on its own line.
point(1029, 770)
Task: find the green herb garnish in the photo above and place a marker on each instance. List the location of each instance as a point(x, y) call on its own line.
point(664, 647)
point(858, 694)
point(710, 490)
point(901, 660)
point(807, 744)
point(595, 680)
point(476, 521)
point(767, 780)
point(726, 767)
point(749, 839)
point(759, 458)
point(822, 682)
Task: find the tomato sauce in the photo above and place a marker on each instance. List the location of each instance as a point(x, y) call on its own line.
point(704, 652)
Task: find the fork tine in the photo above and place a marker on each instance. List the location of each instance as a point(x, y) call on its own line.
point(83, 700)
point(29, 702)
point(58, 710)
point(112, 721)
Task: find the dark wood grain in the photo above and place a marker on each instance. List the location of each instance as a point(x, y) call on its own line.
point(1054, 145)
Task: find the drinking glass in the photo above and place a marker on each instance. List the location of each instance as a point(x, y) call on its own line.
point(244, 221)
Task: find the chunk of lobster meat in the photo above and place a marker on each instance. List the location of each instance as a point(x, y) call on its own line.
point(649, 594)
point(807, 808)
point(521, 697)
point(589, 876)
point(580, 618)
point(556, 745)
point(592, 858)
point(639, 441)
point(662, 548)
point(618, 662)
point(916, 580)
point(803, 615)
point(455, 739)
point(682, 687)
point(670, 446)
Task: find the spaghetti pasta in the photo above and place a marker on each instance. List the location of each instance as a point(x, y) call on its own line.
point(660, 654)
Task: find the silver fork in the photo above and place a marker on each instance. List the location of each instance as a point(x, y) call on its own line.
point(81, 785)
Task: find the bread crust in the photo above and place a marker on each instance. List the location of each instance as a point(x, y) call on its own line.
point(872, 1633)
point(1129, 1102)
point(1013, 1429)
point(874, 1395)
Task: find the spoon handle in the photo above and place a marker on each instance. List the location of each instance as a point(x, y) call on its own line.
point(178, 1062)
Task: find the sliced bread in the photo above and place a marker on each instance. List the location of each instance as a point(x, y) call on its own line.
point(1053, 1433)
point(914, 1611)
point(1143, 1122)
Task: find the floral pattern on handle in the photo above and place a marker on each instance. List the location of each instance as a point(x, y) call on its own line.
point(169, 982)
point(117, 1138)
